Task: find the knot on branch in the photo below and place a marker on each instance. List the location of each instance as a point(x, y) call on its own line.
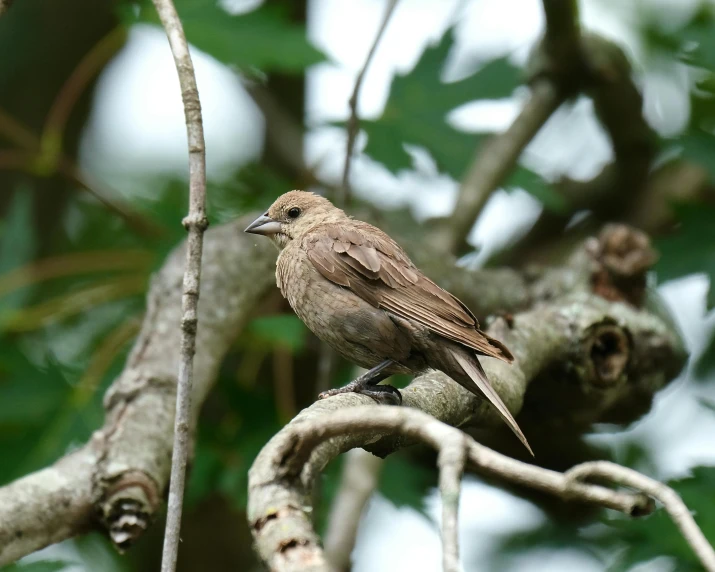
point(609, 349)
point(622, 255)
point(128, 508)
point(198, 221)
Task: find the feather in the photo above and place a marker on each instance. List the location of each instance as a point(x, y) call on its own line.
point(375, 268)
point(475, 371)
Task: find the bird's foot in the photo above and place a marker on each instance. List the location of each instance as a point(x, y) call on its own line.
point(367, 385)
point(382, 394)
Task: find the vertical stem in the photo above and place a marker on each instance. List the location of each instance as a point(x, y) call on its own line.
point(196, 224)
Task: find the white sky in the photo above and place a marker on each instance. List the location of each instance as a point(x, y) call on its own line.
point(137, 127)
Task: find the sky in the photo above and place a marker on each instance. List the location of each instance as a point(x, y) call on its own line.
point(137, 126)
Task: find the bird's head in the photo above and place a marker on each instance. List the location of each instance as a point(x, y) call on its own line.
point(292, 215)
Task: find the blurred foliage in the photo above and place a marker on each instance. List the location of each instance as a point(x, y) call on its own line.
point(68, 316)
point(417, 110)
point(620, 542)
point(262, 39)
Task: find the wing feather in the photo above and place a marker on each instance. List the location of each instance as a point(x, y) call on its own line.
point(362, 258)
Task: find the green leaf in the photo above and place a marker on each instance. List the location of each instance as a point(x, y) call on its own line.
point(691, 249)
point(285, 330)
point(18, 243)
point(415, 113)
point(538, 188)
point(693, 43)
point(264, 38)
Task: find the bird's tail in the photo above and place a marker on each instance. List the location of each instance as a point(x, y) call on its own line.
point(476, 373)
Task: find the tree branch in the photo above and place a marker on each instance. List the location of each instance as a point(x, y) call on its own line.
point(451, 460)
point(196, 223)
point(551, 83)
point(672, 502)
point(116, 482)
point(495, 161)
point(281, 478)
point(594, 353)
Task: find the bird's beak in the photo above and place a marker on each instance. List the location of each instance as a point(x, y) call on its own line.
point(264, 225)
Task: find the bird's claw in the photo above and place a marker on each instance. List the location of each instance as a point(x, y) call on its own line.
point(382, 394)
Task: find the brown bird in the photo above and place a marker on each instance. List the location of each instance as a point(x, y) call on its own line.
point(358, 291)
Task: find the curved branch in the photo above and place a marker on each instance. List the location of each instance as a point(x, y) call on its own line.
point(553, 343)
point(117, 481)
point(497, 158)
point(282, 479)
point(672, 502)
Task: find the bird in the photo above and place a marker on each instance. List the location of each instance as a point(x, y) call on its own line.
point(358, 291)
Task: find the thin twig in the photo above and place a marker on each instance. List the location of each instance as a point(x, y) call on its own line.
point(343, 197)
point(76, 84)
point(451, 461)
point(196, 223)
point(672, 502)
point(494, 162)
point(42, 162)
point(17, 132)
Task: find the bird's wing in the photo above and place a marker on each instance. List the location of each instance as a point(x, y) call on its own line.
point(360, 257)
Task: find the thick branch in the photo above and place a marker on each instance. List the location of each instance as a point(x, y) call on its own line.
point(493, 163)
point(120, 476)
point(553, 342)
point(117, 481)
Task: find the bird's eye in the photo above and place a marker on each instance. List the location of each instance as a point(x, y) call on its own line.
point(294, 212)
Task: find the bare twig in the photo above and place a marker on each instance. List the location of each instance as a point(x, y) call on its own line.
point(673, 504)
point(343, 197)
point(359, 478)
point(46, 162)
point(451, 460)
point(296, 458)
point(196, 223)
point(75, 86)
point(493, 163)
